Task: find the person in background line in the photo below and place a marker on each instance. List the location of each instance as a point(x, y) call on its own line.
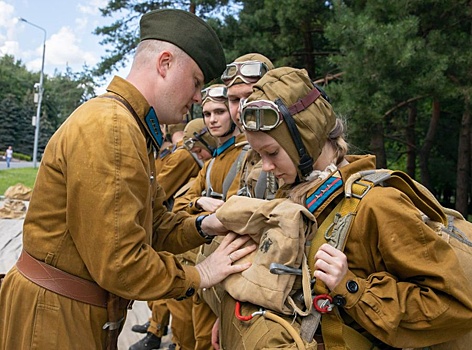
point(210, 188)
point(189, 329)
point(397, 284)
point(9, 155)
point(96, 223)
point(239, 77)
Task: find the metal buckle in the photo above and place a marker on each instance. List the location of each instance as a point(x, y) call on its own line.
point(367, 189)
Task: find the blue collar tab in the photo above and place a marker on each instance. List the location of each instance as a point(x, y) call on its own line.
point(315, 200)
point(154, 128)
point(224, 146)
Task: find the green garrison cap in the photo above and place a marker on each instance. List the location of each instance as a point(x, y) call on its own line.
point(190, 33)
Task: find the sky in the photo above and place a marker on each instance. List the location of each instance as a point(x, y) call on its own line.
point(69, 39)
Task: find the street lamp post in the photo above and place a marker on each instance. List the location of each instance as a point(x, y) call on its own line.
point(40, 94)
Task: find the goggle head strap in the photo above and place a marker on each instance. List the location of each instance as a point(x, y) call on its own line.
point(306, 162)
point(199, 137)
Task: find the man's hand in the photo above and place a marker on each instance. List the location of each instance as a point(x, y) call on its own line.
point(219, 264)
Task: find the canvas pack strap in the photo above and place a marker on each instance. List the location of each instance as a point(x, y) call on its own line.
point(334, 230)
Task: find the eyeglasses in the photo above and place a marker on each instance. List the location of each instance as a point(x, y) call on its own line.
point(217, 92)
point(248, 71)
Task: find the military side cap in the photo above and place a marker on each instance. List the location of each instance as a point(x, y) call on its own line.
point(190, 33)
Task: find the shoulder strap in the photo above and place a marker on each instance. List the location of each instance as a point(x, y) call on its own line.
point(149, 126)
point(208, 188)
point(233, 170)
point(198, 161)
point(334, 230)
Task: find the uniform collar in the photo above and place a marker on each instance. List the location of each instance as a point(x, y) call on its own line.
point(141, 107)
point(228, 143)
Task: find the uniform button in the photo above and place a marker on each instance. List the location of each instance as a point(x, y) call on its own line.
point(190, 292)
point(339, 300)
point(352, 286)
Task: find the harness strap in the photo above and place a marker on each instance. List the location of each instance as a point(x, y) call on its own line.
point(228, 178)
point(334, 230)
point(208, 189)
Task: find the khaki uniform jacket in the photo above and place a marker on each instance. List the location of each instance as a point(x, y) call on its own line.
point(178, 169)
point(412, 291)
point(95, 211)
point(220, 168)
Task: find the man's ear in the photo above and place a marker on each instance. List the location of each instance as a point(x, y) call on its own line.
point(163, 63)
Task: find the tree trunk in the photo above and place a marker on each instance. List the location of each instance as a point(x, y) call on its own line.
point(377, 145)
point(463, 162)
point(193, 7)
point(411, 141)
point(309, 58)
point(428, 144)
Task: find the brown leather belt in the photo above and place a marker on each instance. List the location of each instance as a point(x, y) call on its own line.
point(63, 283)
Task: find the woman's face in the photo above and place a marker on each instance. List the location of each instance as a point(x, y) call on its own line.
point(201, 153)
point(217, 118)
point(273, 155)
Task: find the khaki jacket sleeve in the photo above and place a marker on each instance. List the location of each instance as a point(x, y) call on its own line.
point(187, 202)
point(107, 208)
point(175, 173)
point(412, 290)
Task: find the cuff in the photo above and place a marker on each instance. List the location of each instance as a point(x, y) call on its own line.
point(193, 208)
point(192, 279)
point(349, 290)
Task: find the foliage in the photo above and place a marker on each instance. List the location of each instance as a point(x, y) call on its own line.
point(12, 176)
point(289, 32)
point(398, 55)
point(63, 92)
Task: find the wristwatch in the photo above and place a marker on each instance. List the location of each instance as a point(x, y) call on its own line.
point(198, 225)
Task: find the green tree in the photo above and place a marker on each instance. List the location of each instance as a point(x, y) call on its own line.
point(9, 110)
point(396, 56)
point(289, 32)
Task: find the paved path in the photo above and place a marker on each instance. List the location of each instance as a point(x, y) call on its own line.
point(11, 233)
point(16, 164)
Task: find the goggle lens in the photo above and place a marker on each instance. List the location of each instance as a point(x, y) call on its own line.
point(219, 92)
point(260, 115)
point(189, 144)
point(249, 71)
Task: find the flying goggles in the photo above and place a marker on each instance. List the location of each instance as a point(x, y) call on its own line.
point(266, 115)
point(216, 93)
point(248, 71)
point(189, 144)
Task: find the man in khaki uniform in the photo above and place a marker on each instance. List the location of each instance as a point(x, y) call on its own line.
point(96, 225)
point(239, 77)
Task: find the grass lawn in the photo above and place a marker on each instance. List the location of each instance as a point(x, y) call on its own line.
point(12, 176)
